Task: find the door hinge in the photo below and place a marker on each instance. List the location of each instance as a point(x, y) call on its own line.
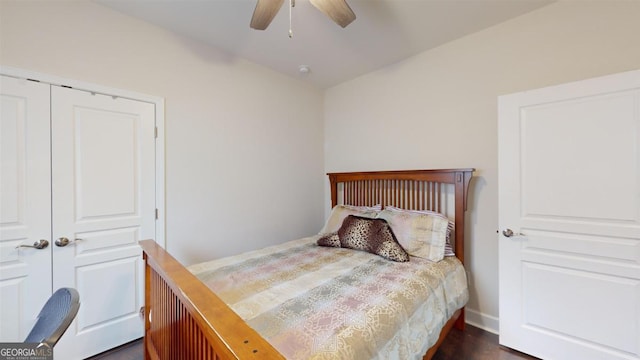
point(156, 214)
point(155, 132)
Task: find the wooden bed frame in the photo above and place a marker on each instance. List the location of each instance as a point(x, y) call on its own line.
point(185, 320)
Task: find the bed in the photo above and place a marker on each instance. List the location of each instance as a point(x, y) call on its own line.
point(185, 319)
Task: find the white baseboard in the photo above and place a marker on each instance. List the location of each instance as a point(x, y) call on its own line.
point(483, 321)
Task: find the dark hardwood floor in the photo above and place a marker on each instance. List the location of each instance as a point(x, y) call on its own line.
point(130, 351)
point(471, 344)
point(476, 344)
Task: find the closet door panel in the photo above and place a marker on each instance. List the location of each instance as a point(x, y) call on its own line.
point(103, 156)
point(25, 205)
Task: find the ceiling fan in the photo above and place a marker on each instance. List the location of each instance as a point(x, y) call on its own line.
point(338, 10)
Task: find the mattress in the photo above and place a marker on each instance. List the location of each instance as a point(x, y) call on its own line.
point(313, 302)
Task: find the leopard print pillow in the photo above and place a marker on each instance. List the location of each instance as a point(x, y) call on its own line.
point(331, 240)
point(371, 235)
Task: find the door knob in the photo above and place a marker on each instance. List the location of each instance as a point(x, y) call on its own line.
point(510, 233)
point(40, 244)
point(63, 241)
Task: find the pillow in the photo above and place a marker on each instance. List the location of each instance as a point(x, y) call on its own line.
point(371, 235)
point(421, 234)
point(448, 248)
point(330, 240)
point(340, 212)
point(450, 227)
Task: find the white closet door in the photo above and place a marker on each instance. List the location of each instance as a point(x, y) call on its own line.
point(103, 156)
point(569, 159)
point(25, 205)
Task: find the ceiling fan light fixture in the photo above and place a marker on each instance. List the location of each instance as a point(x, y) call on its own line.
point(338, 10)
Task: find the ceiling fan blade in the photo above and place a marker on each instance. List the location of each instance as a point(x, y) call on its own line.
point(338, 10)
point(264, 12)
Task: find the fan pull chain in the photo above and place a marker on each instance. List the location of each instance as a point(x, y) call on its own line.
point(292, 3)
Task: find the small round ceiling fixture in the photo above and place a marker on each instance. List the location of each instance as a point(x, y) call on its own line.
point(304, 69)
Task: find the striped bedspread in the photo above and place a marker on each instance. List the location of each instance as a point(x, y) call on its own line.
point(313, 302)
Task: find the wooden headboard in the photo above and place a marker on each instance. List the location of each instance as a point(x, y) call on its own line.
point(408, 189)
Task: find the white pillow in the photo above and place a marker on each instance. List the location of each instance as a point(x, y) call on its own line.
point(340, 212)
point(421, 233)
point(448, 248)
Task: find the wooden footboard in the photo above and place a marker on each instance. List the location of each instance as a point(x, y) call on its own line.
point(185, 320)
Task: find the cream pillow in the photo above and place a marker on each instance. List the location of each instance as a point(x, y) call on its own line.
point(340, 212)
point(421, 234)
point(448, 247)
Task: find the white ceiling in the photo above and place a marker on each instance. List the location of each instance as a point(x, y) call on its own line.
point(384, 32)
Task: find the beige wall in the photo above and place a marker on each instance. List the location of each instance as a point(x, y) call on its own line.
point(244, 146)
point(439, 108)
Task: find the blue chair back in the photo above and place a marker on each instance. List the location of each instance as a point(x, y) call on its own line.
point(55, 317)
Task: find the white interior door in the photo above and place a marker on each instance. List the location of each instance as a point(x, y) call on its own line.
point(103, 156)
point(25, 205)
point(569, 172)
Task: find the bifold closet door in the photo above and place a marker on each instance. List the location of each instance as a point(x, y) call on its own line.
point(25, 205)
point(77, 171)
point(103, 156)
